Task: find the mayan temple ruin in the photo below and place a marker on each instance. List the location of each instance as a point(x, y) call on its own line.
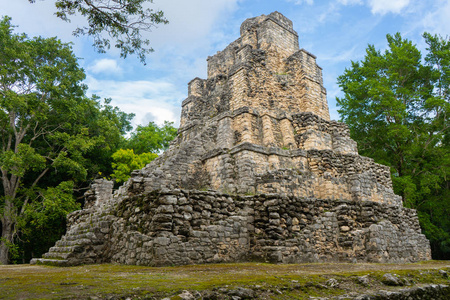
point(258, 172)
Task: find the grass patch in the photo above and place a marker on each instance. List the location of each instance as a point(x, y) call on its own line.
point(296, 281)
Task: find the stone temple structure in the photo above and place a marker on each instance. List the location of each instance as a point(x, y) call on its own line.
point(257, 172)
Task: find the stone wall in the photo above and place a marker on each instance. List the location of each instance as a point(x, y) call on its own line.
point(175, 227)
point(249, 151)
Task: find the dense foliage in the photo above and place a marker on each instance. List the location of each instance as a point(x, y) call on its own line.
point(397, 106)
point(141, 148)
point(53, 139)
point(119, 20)
point(152, 138)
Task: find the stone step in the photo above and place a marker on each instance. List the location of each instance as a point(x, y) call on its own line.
point(78, 232)
point(81, 241)
point(67, 243)
point(57, 255)
point(85, 228)
point(64, 249)
point(50, 262)
point(82, 236)
point(89, 223)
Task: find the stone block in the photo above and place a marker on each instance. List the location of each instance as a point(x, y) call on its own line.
point(165, 209)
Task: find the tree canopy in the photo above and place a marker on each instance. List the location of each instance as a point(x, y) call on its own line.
point(121, 21)
point(141, 148)
point(126, 161)
point(152, 138)
point(397, 106)
point(53, 138)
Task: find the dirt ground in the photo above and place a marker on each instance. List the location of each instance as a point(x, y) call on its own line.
point(216, 281)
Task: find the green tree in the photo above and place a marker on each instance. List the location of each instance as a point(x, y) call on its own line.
point(48, 129)
point(43, 222)
point(125, 161)
point(397, 108)
point(141, 148)
point(112, 125)
point(119, 20)
point(152, 138)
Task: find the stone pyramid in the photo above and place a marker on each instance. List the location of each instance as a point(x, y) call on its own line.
point(257, 172)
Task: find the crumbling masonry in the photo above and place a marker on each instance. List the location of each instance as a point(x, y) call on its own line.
point(257, 172)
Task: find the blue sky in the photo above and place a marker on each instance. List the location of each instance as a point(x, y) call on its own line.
point(336, 31)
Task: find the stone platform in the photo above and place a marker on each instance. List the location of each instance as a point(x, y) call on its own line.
point(175, 227)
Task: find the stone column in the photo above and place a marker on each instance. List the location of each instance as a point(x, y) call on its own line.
point(246, 128)
point(268, 138)
point(287, 132)
point(225, 133)
point(239, 88)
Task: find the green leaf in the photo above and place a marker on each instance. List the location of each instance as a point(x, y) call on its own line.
point(125, 161)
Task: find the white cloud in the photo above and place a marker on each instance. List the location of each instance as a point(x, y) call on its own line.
point(181, 49)
point(343, 56)
point(438, 21)
point(160, 99)
point(350, 2)
point(190, 22)
point(195, 30)
point(299, 2)
point(106, 66)
point(38, 19)
point(387, 6)
point(329, 13)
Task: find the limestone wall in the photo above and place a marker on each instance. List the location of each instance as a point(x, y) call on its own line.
point(321, 174)
point(312, 132)
point(283, 130)
point(314, 96)
point(190, 226)
point(249, 151)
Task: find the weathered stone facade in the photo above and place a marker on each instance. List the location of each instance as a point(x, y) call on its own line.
point(257, 171)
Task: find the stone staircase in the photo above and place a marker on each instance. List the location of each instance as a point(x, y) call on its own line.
point(87, 233)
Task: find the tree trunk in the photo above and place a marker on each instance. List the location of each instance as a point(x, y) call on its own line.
point(7, 232)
